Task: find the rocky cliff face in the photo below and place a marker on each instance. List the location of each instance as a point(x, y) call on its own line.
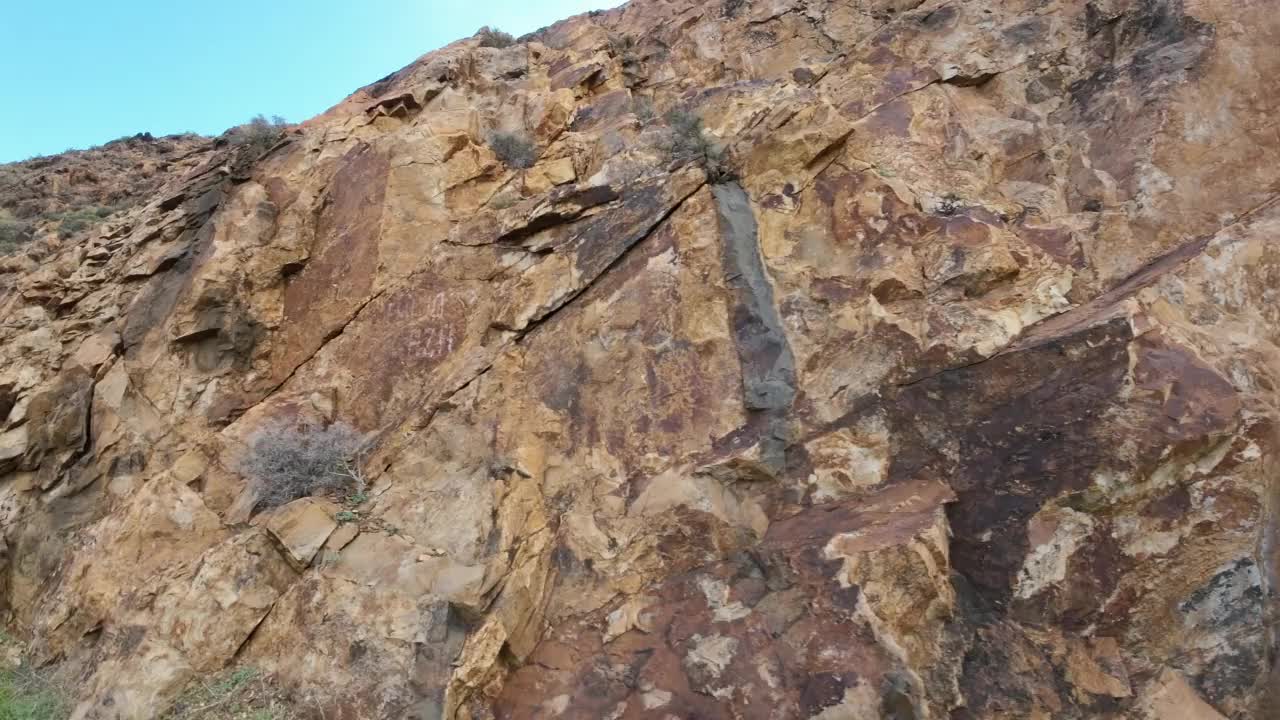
point(118, 174)
point(938, 379)
point(51, 199)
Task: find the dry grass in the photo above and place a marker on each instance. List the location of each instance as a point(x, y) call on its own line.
point(514, 150)
point(291, 462)
point(242, 693)
point(28, 694)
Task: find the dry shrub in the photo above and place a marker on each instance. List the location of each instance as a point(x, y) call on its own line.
point(494, 38)
point(291, 461)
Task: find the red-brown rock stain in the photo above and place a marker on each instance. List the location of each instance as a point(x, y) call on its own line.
point(339, 275)
point(790, 645)
point(402, 337)
point(665, 388)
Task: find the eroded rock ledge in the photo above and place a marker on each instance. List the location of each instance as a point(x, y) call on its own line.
point(949, 394)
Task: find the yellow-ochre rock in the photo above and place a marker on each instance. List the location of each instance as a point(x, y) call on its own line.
point(742, 359)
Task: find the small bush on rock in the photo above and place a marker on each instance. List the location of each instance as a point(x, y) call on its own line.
point(73, 221)
point(513, 150)
point(291, 462)
point(687, 139)
point(494, 38)
point(259, 134)
point(688, 143)
point(13, 235)
point(643, 109)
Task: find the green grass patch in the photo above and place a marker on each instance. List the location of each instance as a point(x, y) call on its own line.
point(26, 694)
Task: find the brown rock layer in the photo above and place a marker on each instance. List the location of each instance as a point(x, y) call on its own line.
point(935, 379)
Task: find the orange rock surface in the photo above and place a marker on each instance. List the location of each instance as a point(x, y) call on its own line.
point(831, 361)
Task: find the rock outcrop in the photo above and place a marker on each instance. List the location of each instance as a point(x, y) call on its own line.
point(117, 175)
point(932, 374)
point(53, 198)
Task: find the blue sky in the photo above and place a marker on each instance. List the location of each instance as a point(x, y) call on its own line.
point(77, 73)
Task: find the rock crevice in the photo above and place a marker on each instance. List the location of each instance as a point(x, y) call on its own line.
point(945, 390)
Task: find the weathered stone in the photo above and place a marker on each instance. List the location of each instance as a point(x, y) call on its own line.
point(546, 176)
point(59, 422)
point(341, 537)
point(200, 618)
point(13, 445)
point(835, 609)
point(832, 360)
point(302, 527)
point(96, 350)
point(1171, 697)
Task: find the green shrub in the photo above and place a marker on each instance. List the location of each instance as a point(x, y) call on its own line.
point(494, 38)
point(73, 221)
point(513, 150)
point(687, 139)
point(642, 108)
point(71, 225)
point(13, 235)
